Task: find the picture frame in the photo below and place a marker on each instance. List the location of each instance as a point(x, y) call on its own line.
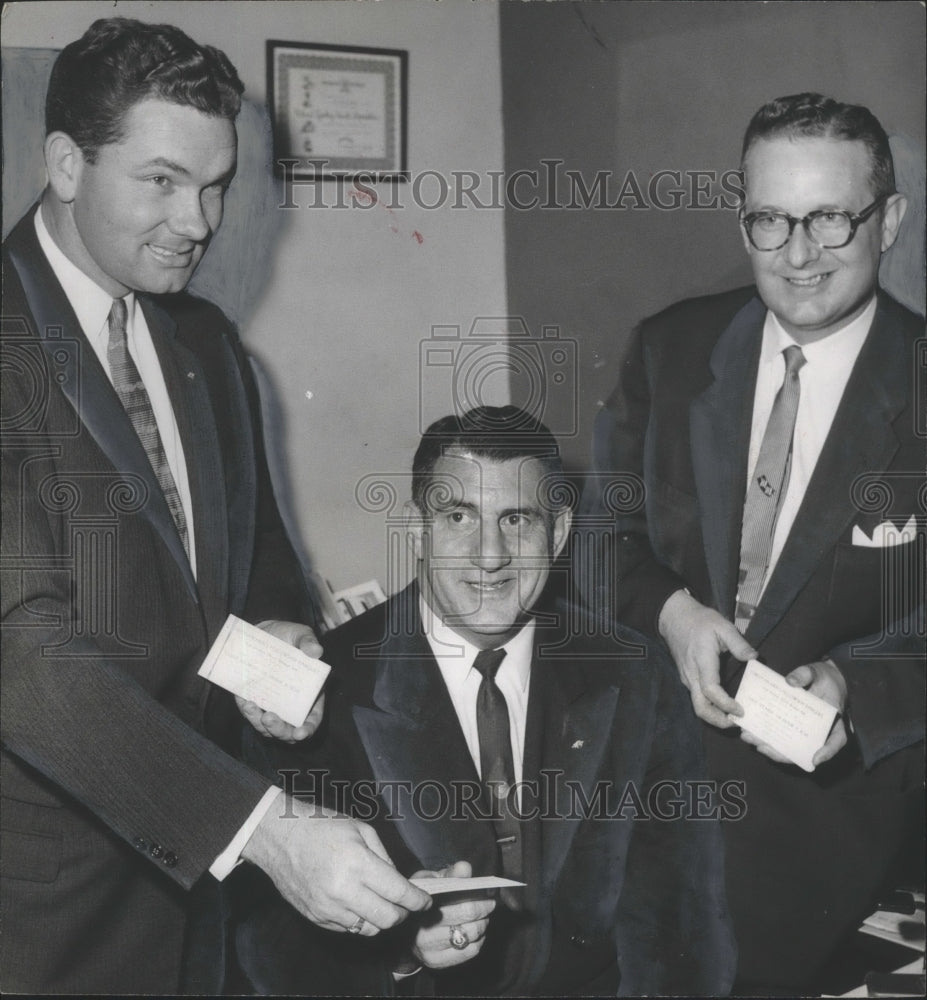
point(338, 112)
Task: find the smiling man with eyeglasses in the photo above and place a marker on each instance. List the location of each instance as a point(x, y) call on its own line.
point(819, 211)
point(775, 429)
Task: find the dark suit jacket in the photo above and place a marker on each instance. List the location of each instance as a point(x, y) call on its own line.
point(601, 888)
point(804, 865)
point(114, 801)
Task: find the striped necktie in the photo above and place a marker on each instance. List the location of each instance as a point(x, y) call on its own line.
point(134, 397)
point(766, 491)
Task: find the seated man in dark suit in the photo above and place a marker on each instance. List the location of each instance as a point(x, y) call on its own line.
point(482, 730)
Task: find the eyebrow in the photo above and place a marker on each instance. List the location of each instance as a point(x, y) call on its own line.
point(473, 509)
point(776, 210)
point(161, 161)
point(530, 511)
point(178, 168)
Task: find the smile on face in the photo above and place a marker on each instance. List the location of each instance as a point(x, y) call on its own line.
point(486, 547)
point(141, 216)
point(812, 291)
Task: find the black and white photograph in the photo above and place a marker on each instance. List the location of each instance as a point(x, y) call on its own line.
point(464, 498)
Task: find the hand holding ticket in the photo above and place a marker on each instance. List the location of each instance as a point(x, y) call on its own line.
point(792, 721)
point(261, 668)
point(434, 884)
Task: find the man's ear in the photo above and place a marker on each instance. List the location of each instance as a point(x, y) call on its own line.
point(414, 522)
point(64, 162)
point(562, 523)
point(892, 215)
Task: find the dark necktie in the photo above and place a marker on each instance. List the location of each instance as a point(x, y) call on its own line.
point(134, 397)
point(497, 769)
point(766, 491)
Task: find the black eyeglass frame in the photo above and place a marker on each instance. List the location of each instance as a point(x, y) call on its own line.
point(855, 221)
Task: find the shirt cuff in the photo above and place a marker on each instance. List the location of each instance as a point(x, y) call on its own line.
point(397, 976)
point(230, 858)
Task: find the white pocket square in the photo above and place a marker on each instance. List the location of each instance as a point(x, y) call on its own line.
point(885, 535)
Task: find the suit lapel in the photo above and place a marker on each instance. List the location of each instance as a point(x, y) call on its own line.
point(188, 391)
point(575, 729)
point(413, 736)
point(86, 386)
point(861, 440)
point(720, 420)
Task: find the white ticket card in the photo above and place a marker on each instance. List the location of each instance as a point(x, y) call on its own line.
point(791, 720)
point(433, 885)
point(261, 668)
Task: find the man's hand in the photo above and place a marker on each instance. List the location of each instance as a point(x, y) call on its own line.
point(824, 679)
point(269, 724)
point(332, 869)
point(464, 920)
point(697, 636)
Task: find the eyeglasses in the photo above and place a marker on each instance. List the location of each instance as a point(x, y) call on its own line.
point(828, 229)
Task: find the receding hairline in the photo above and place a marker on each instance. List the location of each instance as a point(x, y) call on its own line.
point(798, 139)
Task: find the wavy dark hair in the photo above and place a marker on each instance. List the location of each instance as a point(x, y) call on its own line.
point(811, 115)
point(498, 433)
point(118, 62)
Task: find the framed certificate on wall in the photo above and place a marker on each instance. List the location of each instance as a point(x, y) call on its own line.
point(338, 112)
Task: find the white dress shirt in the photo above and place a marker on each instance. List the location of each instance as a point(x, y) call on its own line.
point(92, 305)
point(455, 658)
point(823, 379)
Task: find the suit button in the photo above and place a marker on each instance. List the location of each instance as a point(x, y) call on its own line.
point(578, 940)
point(156, 850)
point(140, 844)
point(170, 860)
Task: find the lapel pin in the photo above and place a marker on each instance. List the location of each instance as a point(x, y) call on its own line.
point(191, 376)
point(578, 745)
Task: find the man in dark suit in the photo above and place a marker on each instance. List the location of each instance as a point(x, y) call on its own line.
point(777, 435)
point(592, 798)
point(137, 513)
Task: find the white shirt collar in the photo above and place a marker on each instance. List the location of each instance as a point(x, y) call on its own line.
point(457, 654)
point(91, 304)
point(844, 343)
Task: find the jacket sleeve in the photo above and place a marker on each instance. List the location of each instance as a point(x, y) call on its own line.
point(885, 676)
point(100, 737)
point(277, 586)
point(673, 931)
point(618, 571)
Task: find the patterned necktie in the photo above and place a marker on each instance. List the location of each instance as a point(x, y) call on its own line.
point(766, 491)
point(134, 397)
point(498, 771)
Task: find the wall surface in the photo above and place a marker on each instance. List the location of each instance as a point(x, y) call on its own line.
point(640, 88)
point(346, 296)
